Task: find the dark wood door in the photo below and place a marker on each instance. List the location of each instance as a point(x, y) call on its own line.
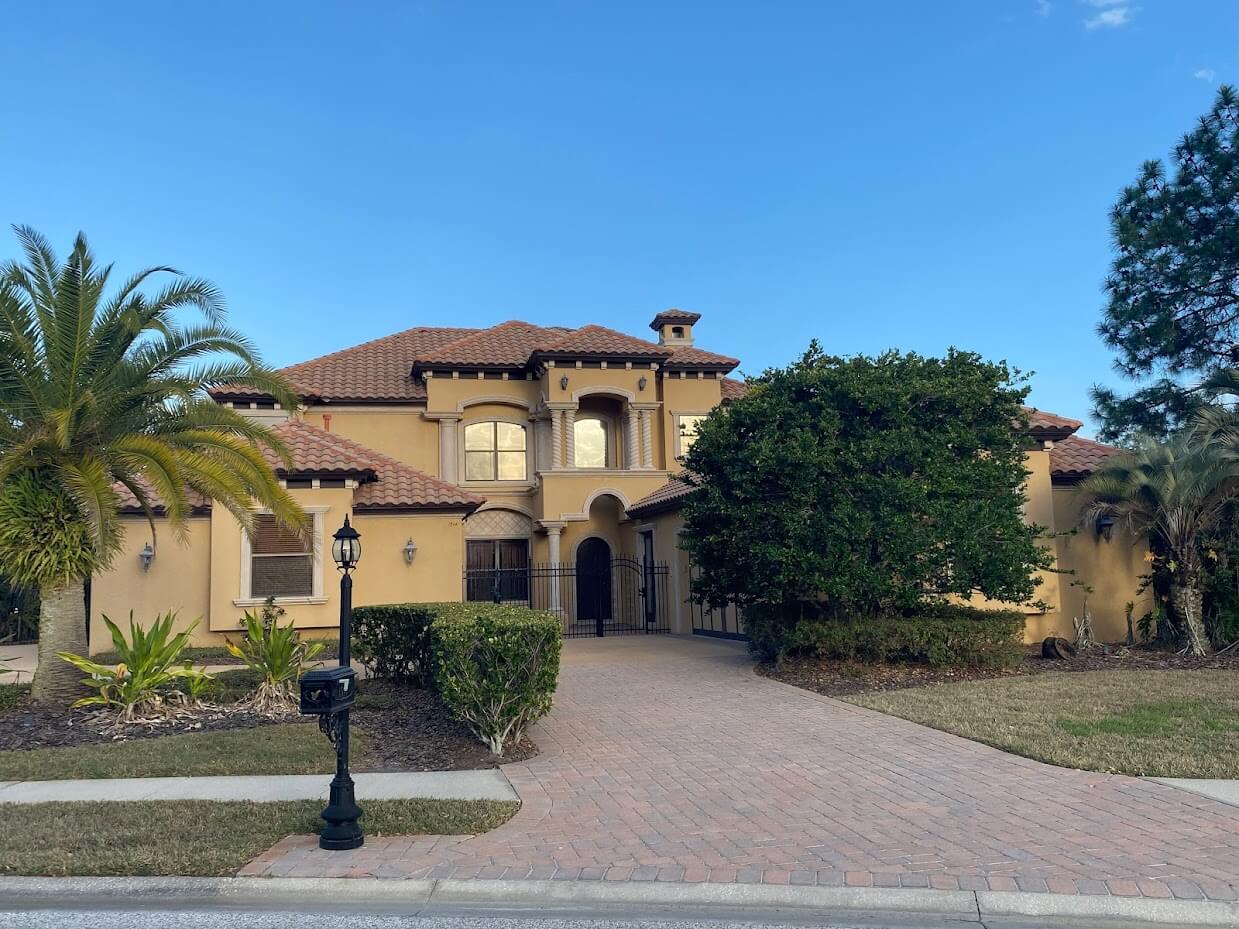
point(593, 582)
point(497, 569)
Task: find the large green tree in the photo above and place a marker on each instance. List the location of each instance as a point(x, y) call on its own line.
point(1173, 290)
point(1178, 492)
point(864, 485)
point(101, 392)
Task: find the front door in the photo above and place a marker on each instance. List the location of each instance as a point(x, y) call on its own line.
point(593, 582)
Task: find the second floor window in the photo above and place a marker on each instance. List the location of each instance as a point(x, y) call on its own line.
point(686, 432)
point(589, 436)
point(494, 451)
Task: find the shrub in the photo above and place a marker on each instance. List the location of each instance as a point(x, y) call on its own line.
point(394, 640)
point(938, 635)
point(277, 654)
point(146, 672)
point(496, 666)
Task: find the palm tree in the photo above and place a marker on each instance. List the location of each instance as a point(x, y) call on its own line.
point(103, 394)
point(1175, 491)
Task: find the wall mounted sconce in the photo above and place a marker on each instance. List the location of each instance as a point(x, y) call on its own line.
point(1105, 526)
point(146, 556)
point(642, 381)
point(410, 549)
point(563, 382)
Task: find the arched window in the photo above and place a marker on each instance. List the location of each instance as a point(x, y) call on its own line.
point(590, 438)
point(495, 451)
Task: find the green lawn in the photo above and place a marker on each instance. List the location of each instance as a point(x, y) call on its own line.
point(201, 837)
point(1150, 723)
point(291, 748)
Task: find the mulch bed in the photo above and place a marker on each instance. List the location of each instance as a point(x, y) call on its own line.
point(407, 729)
point(843, 678)
point(411, 730)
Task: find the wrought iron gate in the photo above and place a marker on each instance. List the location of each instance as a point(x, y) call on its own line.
point(621, 596)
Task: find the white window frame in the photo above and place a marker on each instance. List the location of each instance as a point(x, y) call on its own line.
point(246, 596)
point(680, 451)
point(461, 453)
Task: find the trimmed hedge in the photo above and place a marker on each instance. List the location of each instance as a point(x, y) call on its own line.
point(495, 666)
point(394, 640)
point(940, 635)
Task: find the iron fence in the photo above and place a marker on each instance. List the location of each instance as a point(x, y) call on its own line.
point(622, 597)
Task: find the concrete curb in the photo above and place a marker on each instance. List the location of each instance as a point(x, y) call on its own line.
point(486, 784)
point(300, 893)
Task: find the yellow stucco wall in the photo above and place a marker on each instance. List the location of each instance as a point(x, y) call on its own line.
point(179, 579)
point(203, 578)
point(1112, 568)
point(400, 432)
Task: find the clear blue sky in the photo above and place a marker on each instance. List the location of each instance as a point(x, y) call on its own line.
point(899, 174)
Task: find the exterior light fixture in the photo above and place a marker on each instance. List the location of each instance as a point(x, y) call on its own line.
point(329, 694)
point(1105, 526)
point(346, 547)
point(410, 549)
point(563, 382)
point(642, 381)
point(146, 556)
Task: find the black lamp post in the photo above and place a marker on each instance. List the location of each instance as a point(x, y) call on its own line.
point(329, 693)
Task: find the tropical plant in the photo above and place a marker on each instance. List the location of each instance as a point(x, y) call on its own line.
point(1175, 491)
point(103, 396)
point(147, 671)
point(277, 654)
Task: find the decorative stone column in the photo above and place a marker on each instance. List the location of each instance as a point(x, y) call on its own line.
point(553, 531)
point(647, 440)
point(632, 444)
point(570, 437)
point(449, 448)
point(557, 440)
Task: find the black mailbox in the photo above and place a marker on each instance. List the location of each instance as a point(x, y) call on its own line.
point(325, 691)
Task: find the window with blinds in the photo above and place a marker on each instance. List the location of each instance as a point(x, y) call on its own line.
point(282, 565)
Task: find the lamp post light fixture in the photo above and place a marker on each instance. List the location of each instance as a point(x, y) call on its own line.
point(329, 693)
point(146, 556)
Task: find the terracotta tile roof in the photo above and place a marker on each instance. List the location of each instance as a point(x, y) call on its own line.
point(1044, 425)
point(385, 482)
point(732, 389)
point(129, 503)
point(691, 357)
point(507, 345)
point(601, 341)
point(388, 370)
point(1074, 458)
point(316, 451)
point(667, 497)
point(674, 315)
point(377, 371)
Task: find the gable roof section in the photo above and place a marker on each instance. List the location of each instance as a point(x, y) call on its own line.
point(507, 345)
point(385, 484)
point(601, 342)
point(666, 498)
point(1044, 426)
point(1074, 458)
point(732, 389)
point(373, 372)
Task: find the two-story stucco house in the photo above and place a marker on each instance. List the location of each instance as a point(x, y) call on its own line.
point(517, 462)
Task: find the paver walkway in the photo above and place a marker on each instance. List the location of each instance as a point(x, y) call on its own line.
point(668, 759)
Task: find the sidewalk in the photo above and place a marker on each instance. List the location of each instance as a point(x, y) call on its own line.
point(432, 785)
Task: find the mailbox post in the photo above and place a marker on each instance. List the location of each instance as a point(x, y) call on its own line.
point(329, 694)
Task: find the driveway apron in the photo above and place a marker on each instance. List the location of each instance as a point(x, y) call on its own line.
point(668, 759)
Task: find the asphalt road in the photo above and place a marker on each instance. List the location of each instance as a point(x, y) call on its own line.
point(225, 918)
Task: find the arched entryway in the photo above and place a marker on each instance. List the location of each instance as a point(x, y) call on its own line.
point(593, 582)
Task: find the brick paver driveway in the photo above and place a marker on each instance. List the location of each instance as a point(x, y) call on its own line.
point(668, 759)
